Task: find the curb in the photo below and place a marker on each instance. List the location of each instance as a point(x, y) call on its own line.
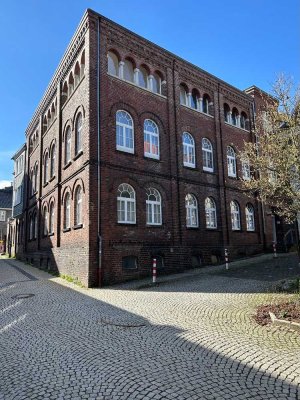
point(281, 322)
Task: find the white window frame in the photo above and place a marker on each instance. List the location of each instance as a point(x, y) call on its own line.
point(2, 215)
point(151, 129)
point(207, 152)
point(123, 126)
point(78, 133)
point(231, 162)
point(210, 213)
point(235, 216)
point(67, 211)
point(250, 218)
point(52, 161)
point(188, 150)
point(78, 206)
point(68, 143)
point(46, 167)
point(51, 218)
point(246, 170)
point(191, 211)
point(126, 203)
point(152, 205)
point(46, 220)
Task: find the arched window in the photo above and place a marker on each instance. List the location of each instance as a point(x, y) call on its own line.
point(235, 216)
point(207, 155)
point(151, 139)
point(153, 207)
point(67, 211)
point(227, 113)
point(64, 93)
point(235, 117)
point(31, 181)
point(188, 150)
point(78, 134)
point(126, 204)
point(82, 64)
point(250, 217)
point(128, 71)
point(210, 213)
point(231, 162)
point(46, 167)
point(45, 124)
point(77, 73)
point(205, 104)
point(68, 145)
point(52, 161)
point(191, 207)
point(35, 178)
point(143, 77)
point(30, 227)
point(195, 99)
point(51, 218)
point(124, 131)
point(183, 95)
point(243, 120)
point(156, 83)
point(78, 206)
point(45, 215)
point(71, 84)
point(246, 170)
point(112, 64)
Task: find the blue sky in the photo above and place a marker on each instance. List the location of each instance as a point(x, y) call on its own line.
point(243, 42)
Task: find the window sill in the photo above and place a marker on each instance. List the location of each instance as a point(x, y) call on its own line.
point(193, 167)
point(192, 227)
point(236, 230)
point(232, 177)
point(66, 229)
point(237, 127)
point(78, 155)
point(149, 157)
point(197, 111)
point(79, 226)
point(211, 229)
point(154, 225)
point(45, 184)
point(125, 150)
point(33, 195)
point(251, 231)
point(210, 171)
point(126, 223)
point(51, 234)
point(52, 178)
point(67, 165)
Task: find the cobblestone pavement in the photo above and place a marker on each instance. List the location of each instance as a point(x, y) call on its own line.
point(188, 339)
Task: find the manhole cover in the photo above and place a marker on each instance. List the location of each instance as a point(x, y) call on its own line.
point(23, 296)
point(122, 322)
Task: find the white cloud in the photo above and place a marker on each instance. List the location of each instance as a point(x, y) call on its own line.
point(4, 183)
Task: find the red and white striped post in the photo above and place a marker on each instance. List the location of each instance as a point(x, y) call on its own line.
point(226, 259)
point(154, 270)
point(274, 250)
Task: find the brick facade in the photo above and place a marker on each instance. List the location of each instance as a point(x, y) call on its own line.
point(94, 250)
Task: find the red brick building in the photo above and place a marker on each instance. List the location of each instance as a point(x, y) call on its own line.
point(131, 155)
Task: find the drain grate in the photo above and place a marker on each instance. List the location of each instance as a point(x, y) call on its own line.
point(23, 296)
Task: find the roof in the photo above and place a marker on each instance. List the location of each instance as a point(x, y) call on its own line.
point(6, 195)
point(19, 152)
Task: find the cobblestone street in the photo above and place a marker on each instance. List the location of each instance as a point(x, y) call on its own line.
point(193, 338)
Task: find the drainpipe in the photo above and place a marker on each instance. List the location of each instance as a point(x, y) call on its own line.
point(98, 160)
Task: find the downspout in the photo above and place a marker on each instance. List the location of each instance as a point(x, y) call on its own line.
point(98, 161)
point(223, 171)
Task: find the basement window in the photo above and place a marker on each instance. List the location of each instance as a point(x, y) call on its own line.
point(129, 263)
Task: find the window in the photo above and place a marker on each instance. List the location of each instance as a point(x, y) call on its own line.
point(68, 145)
point(183, 96)
point(191, 211)
point(207, 155)
point(51, 218)
point(2, 215)
point(67, 211)
point(46, 167)
point(235, 117)
point(35, 178)
point(52, 161)
point(143, 77)
point(129, 262)
point(210, 213)
point(45, 214)
point(77, 73)
point(30, 227)
point(243, 120)
point(78, 206)
point(205, 104)
point(64, 94)
point(112, 64)
point(78, 134)
point(151, 139)
point(250, 217)
point(235, 216)
point(227, 113)
point(153, 207)
point(231, 162)
point(71, 84)
point(128, 71)
point(246, 170)
point(124, 125)
point(34, 225)
point(188, 150)
point(156, 83)
point(195, 99)
point(126, 204)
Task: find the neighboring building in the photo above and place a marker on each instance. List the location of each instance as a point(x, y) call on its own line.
point(5, 213)
point(132, 155)
point(16, 223)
